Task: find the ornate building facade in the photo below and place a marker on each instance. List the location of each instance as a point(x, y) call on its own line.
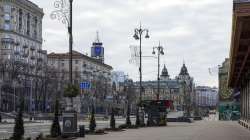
point(20, 51)
point(177, 89)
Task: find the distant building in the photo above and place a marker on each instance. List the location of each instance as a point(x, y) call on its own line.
point(206, 96)
point(118, 77)
point(170, 89)
point(85, 69)
point(225, 93)
point(97, 50)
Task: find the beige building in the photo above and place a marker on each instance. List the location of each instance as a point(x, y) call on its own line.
point(85, 69)
point(20, 45)
point(20, 30)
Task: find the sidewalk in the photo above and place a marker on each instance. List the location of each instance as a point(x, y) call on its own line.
point(204, 130)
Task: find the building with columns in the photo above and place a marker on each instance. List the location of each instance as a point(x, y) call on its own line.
point(239, 70)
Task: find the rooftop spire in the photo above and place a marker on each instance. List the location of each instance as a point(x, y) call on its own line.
point(184, 70)
point(97, 37)
point(164, 72)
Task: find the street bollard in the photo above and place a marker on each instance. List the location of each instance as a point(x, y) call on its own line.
point(82, 131)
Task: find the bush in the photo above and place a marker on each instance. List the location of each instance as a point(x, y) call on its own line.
point(112, 119)
point(19, 129)
point(123, 126)
point(39, 137)
point(128, 121)
point(92, 124)
point(137, 121)
point(55, 130)
point(71, 91)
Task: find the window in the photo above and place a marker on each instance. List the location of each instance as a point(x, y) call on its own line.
point(35, 27)
point(62, 64)
point(7, 26)
point(76, 61)
point(20, 20)
point(7, 46)
point(7, 17)
point(7, 9)
point(28, 24)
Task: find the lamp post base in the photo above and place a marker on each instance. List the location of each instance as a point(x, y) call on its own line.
point(69, 123)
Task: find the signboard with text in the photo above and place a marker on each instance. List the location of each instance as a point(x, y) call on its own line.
point(85, 85)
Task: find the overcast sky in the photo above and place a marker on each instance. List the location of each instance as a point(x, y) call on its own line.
point(196, 32)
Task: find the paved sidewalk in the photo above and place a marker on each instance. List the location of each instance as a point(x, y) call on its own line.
point(204, 130)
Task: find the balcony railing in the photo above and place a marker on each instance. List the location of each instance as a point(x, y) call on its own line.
point(7, 41)
point(32, 57)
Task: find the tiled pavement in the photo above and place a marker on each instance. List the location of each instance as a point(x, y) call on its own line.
point(203, 130)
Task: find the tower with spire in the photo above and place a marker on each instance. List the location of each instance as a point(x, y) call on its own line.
point(164, 74)
point(97, 49)
point(184, 76)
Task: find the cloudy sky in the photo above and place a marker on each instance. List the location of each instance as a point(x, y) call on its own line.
point(196, 32)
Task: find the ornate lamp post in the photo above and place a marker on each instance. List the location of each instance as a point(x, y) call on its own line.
point(63, 12)
point(138, 36)
point(160, 52)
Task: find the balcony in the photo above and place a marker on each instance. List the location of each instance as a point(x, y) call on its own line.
point(40, 59)
point(7, 41)
point(40, 51)
point(25, 55)
point(17, 52)
point(32, 48)
point(25, 46)
point(32, 57)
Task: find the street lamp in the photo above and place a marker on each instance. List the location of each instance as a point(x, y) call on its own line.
point(63, 12)
point(160, 52)
point(138, 32)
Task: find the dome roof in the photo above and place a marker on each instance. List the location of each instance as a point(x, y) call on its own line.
point(184, 70)
point(164, 72)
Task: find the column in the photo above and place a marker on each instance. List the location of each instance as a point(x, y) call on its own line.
point(241, 103)
point(248, 100)
point(245, 104)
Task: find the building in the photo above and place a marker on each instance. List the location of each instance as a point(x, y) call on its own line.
point(86, 69)
point(239, 70)
point(20, 29)
point(178, 89)
point(227, 100)
point(206, 97)
point(225, 93)
point(118, 77)
point(21, 52)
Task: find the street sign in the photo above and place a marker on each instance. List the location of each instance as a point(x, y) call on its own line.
point(85, 85)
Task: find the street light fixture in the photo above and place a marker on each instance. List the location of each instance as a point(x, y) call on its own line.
point(138, 32)
point(160, 50)
point(63, 12)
